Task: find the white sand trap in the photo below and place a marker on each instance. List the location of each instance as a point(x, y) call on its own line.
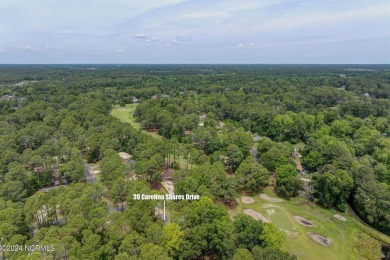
point(320, 239)
point(302, 221)
point(338, 216)
point(268, 198)
point(256, 215)
point(247, 200)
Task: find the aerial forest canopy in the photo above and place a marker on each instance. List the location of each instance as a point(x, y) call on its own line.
point(223, 131)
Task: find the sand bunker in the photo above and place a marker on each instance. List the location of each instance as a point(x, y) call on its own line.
point(256, 215)
point(247, 200)
point(302, 221)
point(268, 198)
point(320, 239)
point(338, 216)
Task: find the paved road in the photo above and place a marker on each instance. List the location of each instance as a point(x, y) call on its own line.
point(89, 173)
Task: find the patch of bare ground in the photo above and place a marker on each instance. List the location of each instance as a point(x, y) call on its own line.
point(324, 241)
point(302, 221)
point(256, 215)
point(338, 216)
point(268, 198)
point(247, 200)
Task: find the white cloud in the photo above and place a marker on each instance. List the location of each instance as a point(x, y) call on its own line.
point(325, 18)
point(140, 36)
point(187, 27)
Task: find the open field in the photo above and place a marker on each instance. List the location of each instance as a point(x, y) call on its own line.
point(299, 242)
point(125, 114)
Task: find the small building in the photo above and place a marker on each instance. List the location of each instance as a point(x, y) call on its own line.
point(167, 175)
point(125, 157)
point(135, 100)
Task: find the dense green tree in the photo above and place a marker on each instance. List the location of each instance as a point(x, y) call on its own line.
point(314, 160)
point(272, 237)
point(13, 190)
point(269, 253)
point(251, 176)
point(370, 198)
point(332, 189)
point(243, 254)
point(235, 156)
point(287, 183)
point(111, 166)
point(278, 154)
point(173, 238)
point(153, 252)
point(248, 231)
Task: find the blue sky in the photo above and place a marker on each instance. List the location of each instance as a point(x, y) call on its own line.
point(194, 31)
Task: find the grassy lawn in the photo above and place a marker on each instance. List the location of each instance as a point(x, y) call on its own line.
point(125, 114)
point(183, 165)
point(298, 242)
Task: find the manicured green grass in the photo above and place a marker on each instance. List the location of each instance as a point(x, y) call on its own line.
point(298, 242)
point(125, 114)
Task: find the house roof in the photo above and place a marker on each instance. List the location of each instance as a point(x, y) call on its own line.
point(125, 156)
